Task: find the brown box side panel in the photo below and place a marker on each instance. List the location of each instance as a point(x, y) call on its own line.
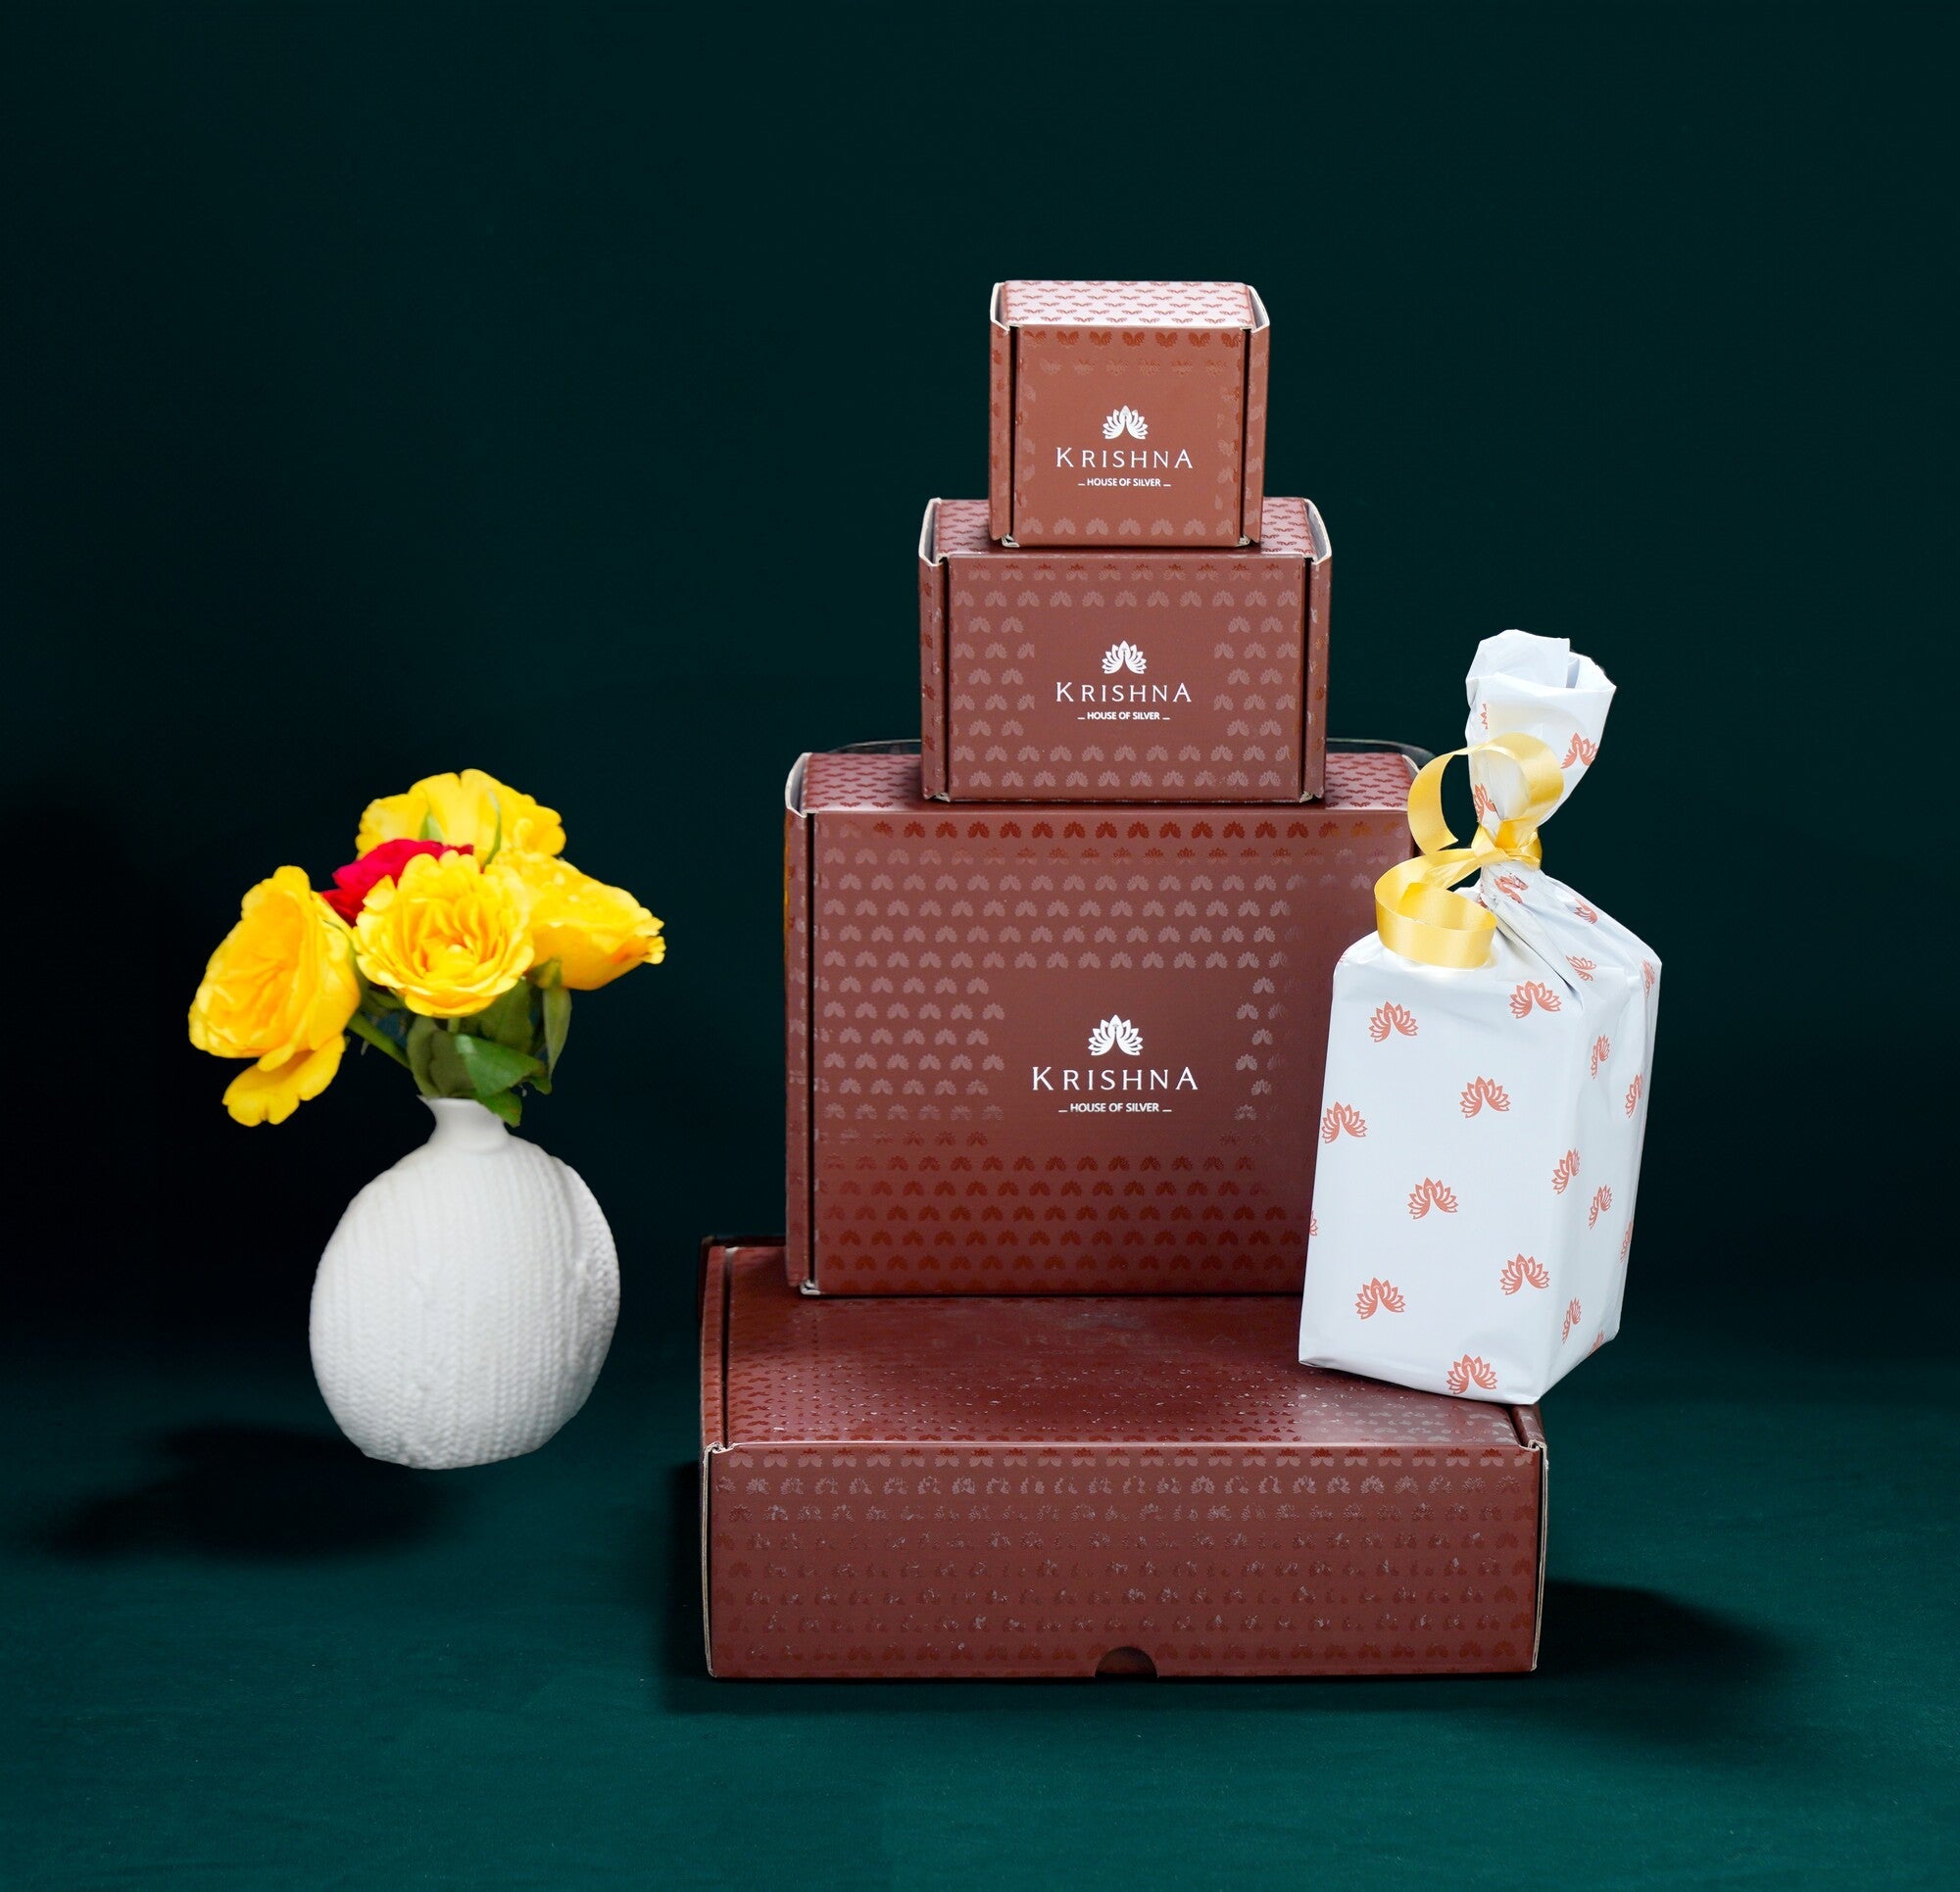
point(1070, 384)
point(859, 1562)
point(1319, 616)
point(713, 1340)
point(1000, 430)
point(796, 1042)
point(1221, 636)
point(1256, 350)
point(932, 582)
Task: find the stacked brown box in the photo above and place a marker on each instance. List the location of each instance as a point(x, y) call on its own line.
point(1146, 1484)
point(1128, 410)
point(1064, 1049)
point(1122, 673)
point(1019, 1394)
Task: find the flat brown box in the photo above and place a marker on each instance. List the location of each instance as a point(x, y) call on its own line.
point(1009, 1486)
point(1069, 1050)
point(1130, 411)
point(1123, 674)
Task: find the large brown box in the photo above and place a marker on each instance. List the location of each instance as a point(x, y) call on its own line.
point(1071, 1049)
point(1120, 673)
point(1132, 410)
point(1012, 1487)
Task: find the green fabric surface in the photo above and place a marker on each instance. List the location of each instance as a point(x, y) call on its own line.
point(241, 1656)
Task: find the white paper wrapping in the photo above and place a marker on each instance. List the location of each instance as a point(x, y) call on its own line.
point(1481, 1130)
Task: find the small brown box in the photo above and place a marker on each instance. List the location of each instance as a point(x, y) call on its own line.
point(1064, 1049)
point(1005, 1486)
point(1118, 674)
point(1128, 410)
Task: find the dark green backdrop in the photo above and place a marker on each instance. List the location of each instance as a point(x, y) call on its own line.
point(389, 390)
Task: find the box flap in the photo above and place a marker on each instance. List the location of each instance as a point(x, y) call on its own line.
point(1079, 1370)
point(1029, 302)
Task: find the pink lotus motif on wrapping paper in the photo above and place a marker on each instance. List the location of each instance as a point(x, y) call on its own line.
point(1431, 1194)
point(1602, 1049)
point(1486, 809)
point(1585, 968)
point(1566, 1170)
point(1531, 993)
point(1340, 1117)
point(1312, 1223)
point(1647, 975)
point(1633, 1094)
point(1512, 885)
point(1626, 1242)
point(1391, 1017)
point(1579, 751)
point(1571, 1321)
point(1480, 1091)
point(1523, 1271)
point(1384, 1295)
point(1470, 1371)
point(1603, 1200)
point(1586, 913)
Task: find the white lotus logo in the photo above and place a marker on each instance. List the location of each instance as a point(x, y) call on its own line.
point(1123, 656)
point(1126, 420)
point(1116, 1034)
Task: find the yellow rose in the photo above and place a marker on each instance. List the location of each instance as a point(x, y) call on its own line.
point(449, 935)
point(279, 989)
point(472, 808)
point(594, 931)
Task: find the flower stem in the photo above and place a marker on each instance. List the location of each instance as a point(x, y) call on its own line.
point(361, 1027)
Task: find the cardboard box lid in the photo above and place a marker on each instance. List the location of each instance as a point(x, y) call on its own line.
point(1291, 528)
point(1173, 1370)
point(1130, 304)
point(883, 778)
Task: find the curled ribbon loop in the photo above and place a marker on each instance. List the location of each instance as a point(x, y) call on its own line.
point(1415, 912)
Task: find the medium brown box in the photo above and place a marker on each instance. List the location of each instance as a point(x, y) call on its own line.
point(1128, 410)
point(1120, 673)
point(1009, 1486)
point(1064, 1049)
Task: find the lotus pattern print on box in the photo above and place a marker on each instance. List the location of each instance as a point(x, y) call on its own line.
point(1481, 1127)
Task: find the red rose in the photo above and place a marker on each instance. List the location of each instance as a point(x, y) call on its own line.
point(353, 883)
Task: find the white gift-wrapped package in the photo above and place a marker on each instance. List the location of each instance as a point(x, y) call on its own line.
point(1481, 1127)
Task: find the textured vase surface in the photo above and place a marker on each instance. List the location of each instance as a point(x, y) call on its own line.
point(464, 1304)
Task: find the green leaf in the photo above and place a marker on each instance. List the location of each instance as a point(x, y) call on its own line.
point(508, 1019)
point(493, 1068)
point(422, 1039)
point(507, 1105)
point(447, 1071)
point(497, 839)
point(557, 1022)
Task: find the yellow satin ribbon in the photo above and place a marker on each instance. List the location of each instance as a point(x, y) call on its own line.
point(1415, 914)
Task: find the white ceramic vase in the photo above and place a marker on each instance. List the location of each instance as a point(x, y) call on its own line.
point(464, 1307)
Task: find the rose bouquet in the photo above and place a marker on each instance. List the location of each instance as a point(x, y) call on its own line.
point(452, 943)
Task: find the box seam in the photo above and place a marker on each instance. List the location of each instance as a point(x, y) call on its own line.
point(807, 1284)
